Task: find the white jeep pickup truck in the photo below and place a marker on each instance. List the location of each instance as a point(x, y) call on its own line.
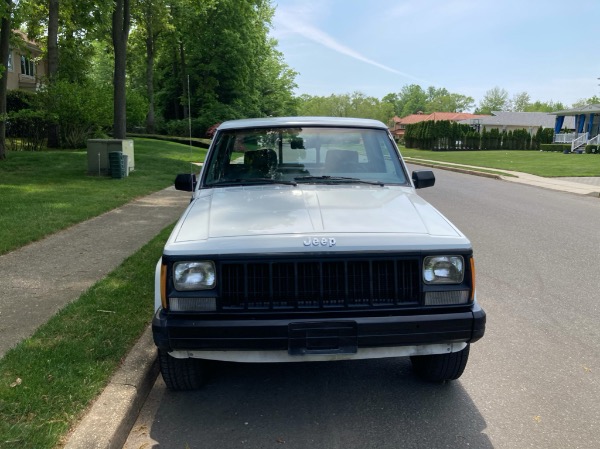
point(305, 241)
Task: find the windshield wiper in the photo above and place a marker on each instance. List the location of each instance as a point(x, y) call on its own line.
point(251, 181)
point(338, 179)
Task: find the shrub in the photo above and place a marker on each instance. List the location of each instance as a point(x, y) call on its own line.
point(561, 147)
point(181, 128)
point(592, 149)
point(82, 110)
point(17, 100)
point(137, 108)
point(177, 128)
point(27, 130)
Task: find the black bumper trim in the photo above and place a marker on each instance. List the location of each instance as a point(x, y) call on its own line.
point(173, 332)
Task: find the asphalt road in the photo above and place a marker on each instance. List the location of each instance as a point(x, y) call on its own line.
point(532, 382)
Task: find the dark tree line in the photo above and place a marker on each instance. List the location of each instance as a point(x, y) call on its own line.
point(451, 136)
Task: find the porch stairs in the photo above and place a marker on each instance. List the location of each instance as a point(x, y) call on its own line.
point(579, 142)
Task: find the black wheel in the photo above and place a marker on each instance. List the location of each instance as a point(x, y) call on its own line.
point(441, 367)
point(181, 374)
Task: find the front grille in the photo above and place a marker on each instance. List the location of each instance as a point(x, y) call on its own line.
point(319, 284)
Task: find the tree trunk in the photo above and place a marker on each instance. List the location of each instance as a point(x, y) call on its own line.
point(120, 33)
point(53, 7)
point(5, 32)
point(150, 76)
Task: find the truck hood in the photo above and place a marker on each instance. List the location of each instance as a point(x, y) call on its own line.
point(309, 210)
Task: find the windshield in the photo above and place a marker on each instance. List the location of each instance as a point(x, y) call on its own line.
point(303, 155)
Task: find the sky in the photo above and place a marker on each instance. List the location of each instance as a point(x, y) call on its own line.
point(547, 48)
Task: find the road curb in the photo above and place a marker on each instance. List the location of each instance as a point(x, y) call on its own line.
point(109, 421)
point(455, 169)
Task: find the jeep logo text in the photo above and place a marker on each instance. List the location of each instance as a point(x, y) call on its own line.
point(320, 242)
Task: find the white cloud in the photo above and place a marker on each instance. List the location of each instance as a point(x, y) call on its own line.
point(297, 21)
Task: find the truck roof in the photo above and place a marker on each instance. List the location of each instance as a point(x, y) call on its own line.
point(302, 121)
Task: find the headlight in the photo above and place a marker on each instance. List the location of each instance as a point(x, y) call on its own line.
point(443, 269)
point(194, 275)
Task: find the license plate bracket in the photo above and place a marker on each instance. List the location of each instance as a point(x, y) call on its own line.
point(323, 337)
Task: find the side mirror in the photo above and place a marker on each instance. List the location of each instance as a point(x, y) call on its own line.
point(185, 182)
point(423, 178)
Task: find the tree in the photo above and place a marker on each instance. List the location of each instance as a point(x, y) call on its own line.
point(233, 65)
point(275, 86)
point(68, 30)
point(5, 33)
point(412, 99)
point(53, 13)
point(495, 99)
point(151, 18)
point(392, 99)
point(440, 100)
point(121, 21)
point(543, 106)
point(520, 102)
point(595, 100)
point(356, 104)
point(71, 32)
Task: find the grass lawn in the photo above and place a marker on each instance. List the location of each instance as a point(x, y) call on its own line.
point(43, 192)
point(49, 379)
point(534, 162)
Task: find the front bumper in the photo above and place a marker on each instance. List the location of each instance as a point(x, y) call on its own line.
point(308, 336)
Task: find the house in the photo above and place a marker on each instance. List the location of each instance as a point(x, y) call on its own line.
point(511, 121)
point(26, 65)
point(398, 127)
point(585, 122)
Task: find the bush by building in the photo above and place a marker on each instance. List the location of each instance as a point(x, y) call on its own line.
point(560, 147)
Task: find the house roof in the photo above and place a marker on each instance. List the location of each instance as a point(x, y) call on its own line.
point(29, 44)
point(589, 109)
point(521, 119)
point(436, 117)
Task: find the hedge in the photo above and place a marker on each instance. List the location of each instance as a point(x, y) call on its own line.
point(449, 136)
point(26, 130)
point(560, 147)
point(195, 141)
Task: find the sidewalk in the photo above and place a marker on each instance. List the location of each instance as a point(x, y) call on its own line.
point(42, 277)
point(580, 186)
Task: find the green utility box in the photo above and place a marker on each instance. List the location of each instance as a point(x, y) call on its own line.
point(118, 164)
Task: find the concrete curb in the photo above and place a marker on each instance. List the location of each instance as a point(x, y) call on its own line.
point(110, 419)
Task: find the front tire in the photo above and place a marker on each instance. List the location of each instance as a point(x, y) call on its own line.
point(181, 374)
point(441, 367)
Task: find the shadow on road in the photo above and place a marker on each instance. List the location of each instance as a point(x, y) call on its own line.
point(354, 404)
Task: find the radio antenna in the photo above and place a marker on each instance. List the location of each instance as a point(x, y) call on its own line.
point(190, 125)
